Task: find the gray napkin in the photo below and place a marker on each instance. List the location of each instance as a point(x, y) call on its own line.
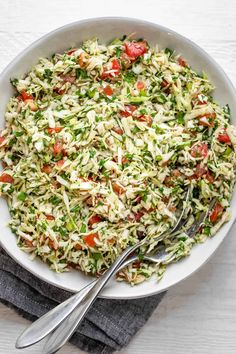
point(108, 326)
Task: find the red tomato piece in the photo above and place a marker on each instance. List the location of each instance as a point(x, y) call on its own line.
point(60, 163)
point(71, 51)
point(108, 90)
point(49, 217)
point(164, 83)
point(58, 147)
point(26, 96)
point(224, 138)
point(182, 62)
point(47, 169)
point(200, 150)
point(129, 110)
point(145, 119)
point(94, 220)
point(59, 90)
point(210, 177)
point(135, 49)
point(54, 130)
point(2, 140)
point(115, 67)
point(216, 212)
point(6, 178)
point(68, 78)
point(118, 188)
point(207, 120)
point(138, 215)
point(90, 239)
point(140, 85)
point(118, 130)
point(200, 170)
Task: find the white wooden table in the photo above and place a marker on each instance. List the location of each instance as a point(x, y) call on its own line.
point(199, 315)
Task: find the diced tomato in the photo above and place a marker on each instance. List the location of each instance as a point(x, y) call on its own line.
point(28, 243)
point(129, 110)
point(60, 163)
point(201, 101)
point(82, 60)
point(6, 178)
point(216, 212)
point(164, 83)
point(94, 220)
point(78, 247)
point(140, 85)
point(118, 130)
point(210, 177)
point(207, 120)
point(224, 138)
point(2, 140)
point(33, 107)
point(108, 90)
point(26, 96)
point(145, 119)
point(176, 173)
point(115, 67)
point(71, 51)
point(138, 215)
point(199, 150)
point(49, 217)
point(68, 78)
point(118, 188)
point(124, 160)
point(182, 62)
point(59, 90)
point(90, 239)
point(135, 49)
point(58, 147)
point(47, 169)
point(200, 170)
point(168, 181)
point(54, 130)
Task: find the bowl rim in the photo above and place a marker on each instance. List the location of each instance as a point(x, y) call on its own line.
point(134, 20)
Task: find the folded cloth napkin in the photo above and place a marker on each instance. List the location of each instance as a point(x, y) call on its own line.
point(107, 327)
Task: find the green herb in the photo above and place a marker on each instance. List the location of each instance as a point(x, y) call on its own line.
point(55, 200)
point(91, 93)
point(92, 153)
point(14, 82)
point(70, 225)
point(158, 158)
point(47, 74)
point(207, 231)
point(118, 52)
point(130, 77)
point(101, 162)
point(18, 134)
point(22, 196)
point(81, 74)
point(75, 209)
point(180, 117)
point(169, 51)
point(83, 229)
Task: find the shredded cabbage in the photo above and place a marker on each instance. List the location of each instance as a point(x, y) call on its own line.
point(100, 145)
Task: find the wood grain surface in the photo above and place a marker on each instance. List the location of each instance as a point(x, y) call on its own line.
point(197, 316)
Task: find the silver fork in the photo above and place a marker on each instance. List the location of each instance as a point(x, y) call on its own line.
point(51, 320)
point(63, 333)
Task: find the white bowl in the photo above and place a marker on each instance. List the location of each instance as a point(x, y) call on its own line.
point(106, 29)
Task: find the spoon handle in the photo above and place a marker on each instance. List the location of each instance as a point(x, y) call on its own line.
point(63, 333)
point(52, 319)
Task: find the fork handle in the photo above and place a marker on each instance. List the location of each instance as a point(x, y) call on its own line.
point(63, 333)
point(52, 319)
